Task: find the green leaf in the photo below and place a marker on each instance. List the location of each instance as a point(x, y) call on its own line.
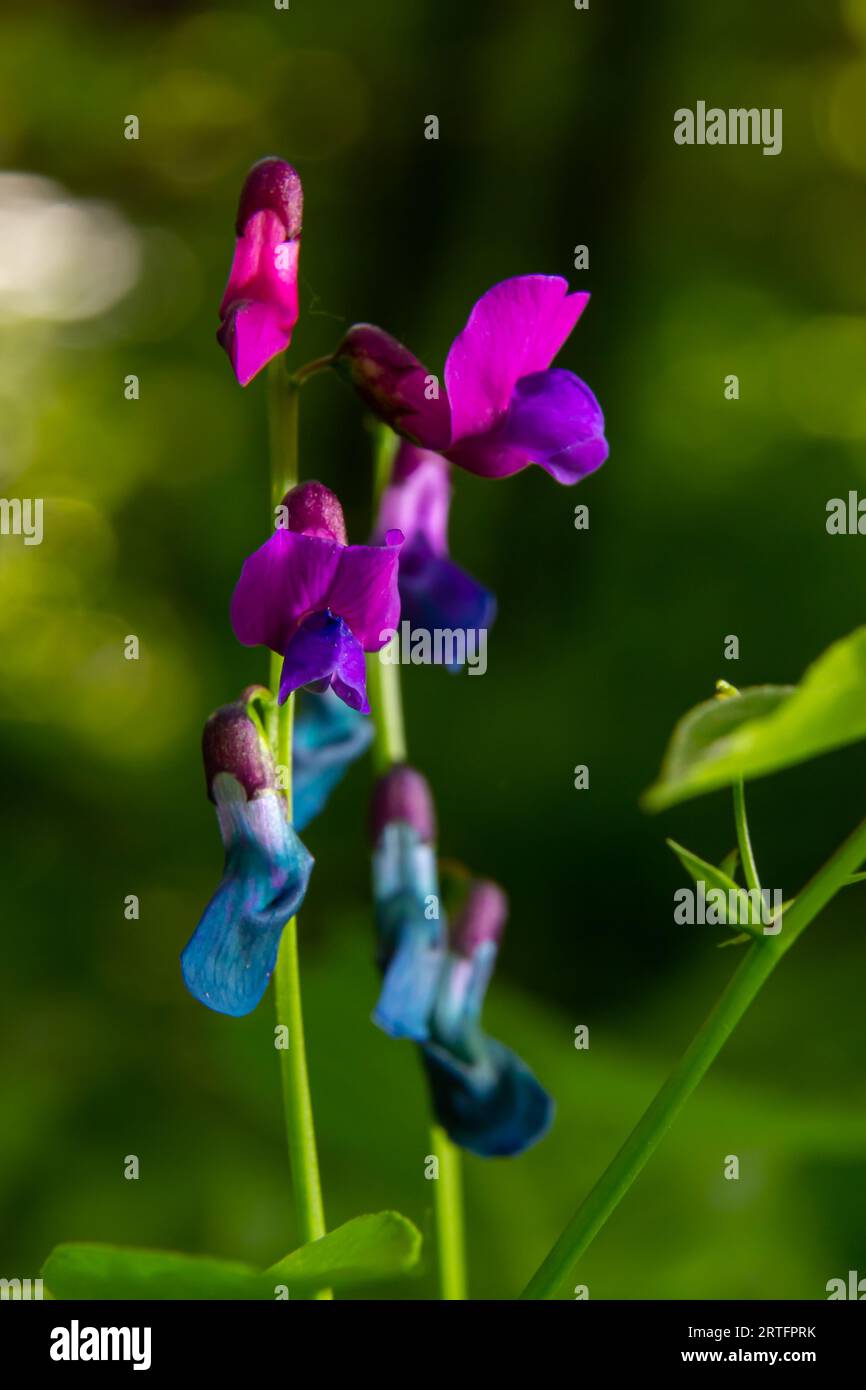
point(113, 1271)
point(703, 872)
point(767, 727)
point(366, 1249)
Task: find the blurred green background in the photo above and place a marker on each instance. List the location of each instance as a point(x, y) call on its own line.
point(708, 520)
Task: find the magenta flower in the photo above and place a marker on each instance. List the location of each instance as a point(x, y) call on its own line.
point(260, 306)
point(504, 406)
point(435, 594)
point(316, 601)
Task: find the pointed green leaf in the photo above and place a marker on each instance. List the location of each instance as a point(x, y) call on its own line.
point(767, 728)
point(703, 872)
point(366, 1249)
point(362, 1251)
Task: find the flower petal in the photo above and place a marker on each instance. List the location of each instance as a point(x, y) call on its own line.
point(323, 651)
point(553, 420)
point(418, 498)
point(409, 984)
point(252, 333)
point(364, 590)
point(259, 308)
point(411, 943)
point(350, 677)
point(230, 958)
point(493, 1106)
point(515, 329)
point(282, 582)
point(483, 1094)
point(394, 384)
point(327, 737)
point(311, 654)
point(437, 595)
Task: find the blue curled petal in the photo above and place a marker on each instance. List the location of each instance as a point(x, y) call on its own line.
point(327, 737)
point(411, 977)
point(484, 1095)
point(232, 953)
point(437, 595)
point(493, 1106)
point(411, 940)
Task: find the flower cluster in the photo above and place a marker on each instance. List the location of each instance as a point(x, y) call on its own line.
point(321, 605)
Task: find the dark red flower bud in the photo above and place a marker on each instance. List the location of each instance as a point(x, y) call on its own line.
point(482, 917)
point(233, 743)
point(272, 185)
point(314, 510)
point(403, 795)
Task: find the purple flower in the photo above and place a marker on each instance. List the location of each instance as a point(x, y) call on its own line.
point(232, 953)
point(260, 306)
point(504, 406)
point(435, 594)
point(316, 601)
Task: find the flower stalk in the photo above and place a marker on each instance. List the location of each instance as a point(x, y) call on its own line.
point(297, 1101)
point(450, 1241)
point(744, 839)
point(389, 748)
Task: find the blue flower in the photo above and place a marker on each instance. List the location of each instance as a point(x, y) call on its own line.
point(233, 951)
point(406, 896)
point(484, 1095)
point(328, 735)
point(436, 976)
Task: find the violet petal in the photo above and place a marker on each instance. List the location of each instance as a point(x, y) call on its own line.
point(282, 582)
point(553, 420)
point(515, 329)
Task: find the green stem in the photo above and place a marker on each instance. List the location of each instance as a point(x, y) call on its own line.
point(554, 1278)
point(386, 704)
point(297, 1102)
point(448, 1201)
point(383, 677)
point(283, 402)
point(747, 854)
point(318, 364)
point(389, 747)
